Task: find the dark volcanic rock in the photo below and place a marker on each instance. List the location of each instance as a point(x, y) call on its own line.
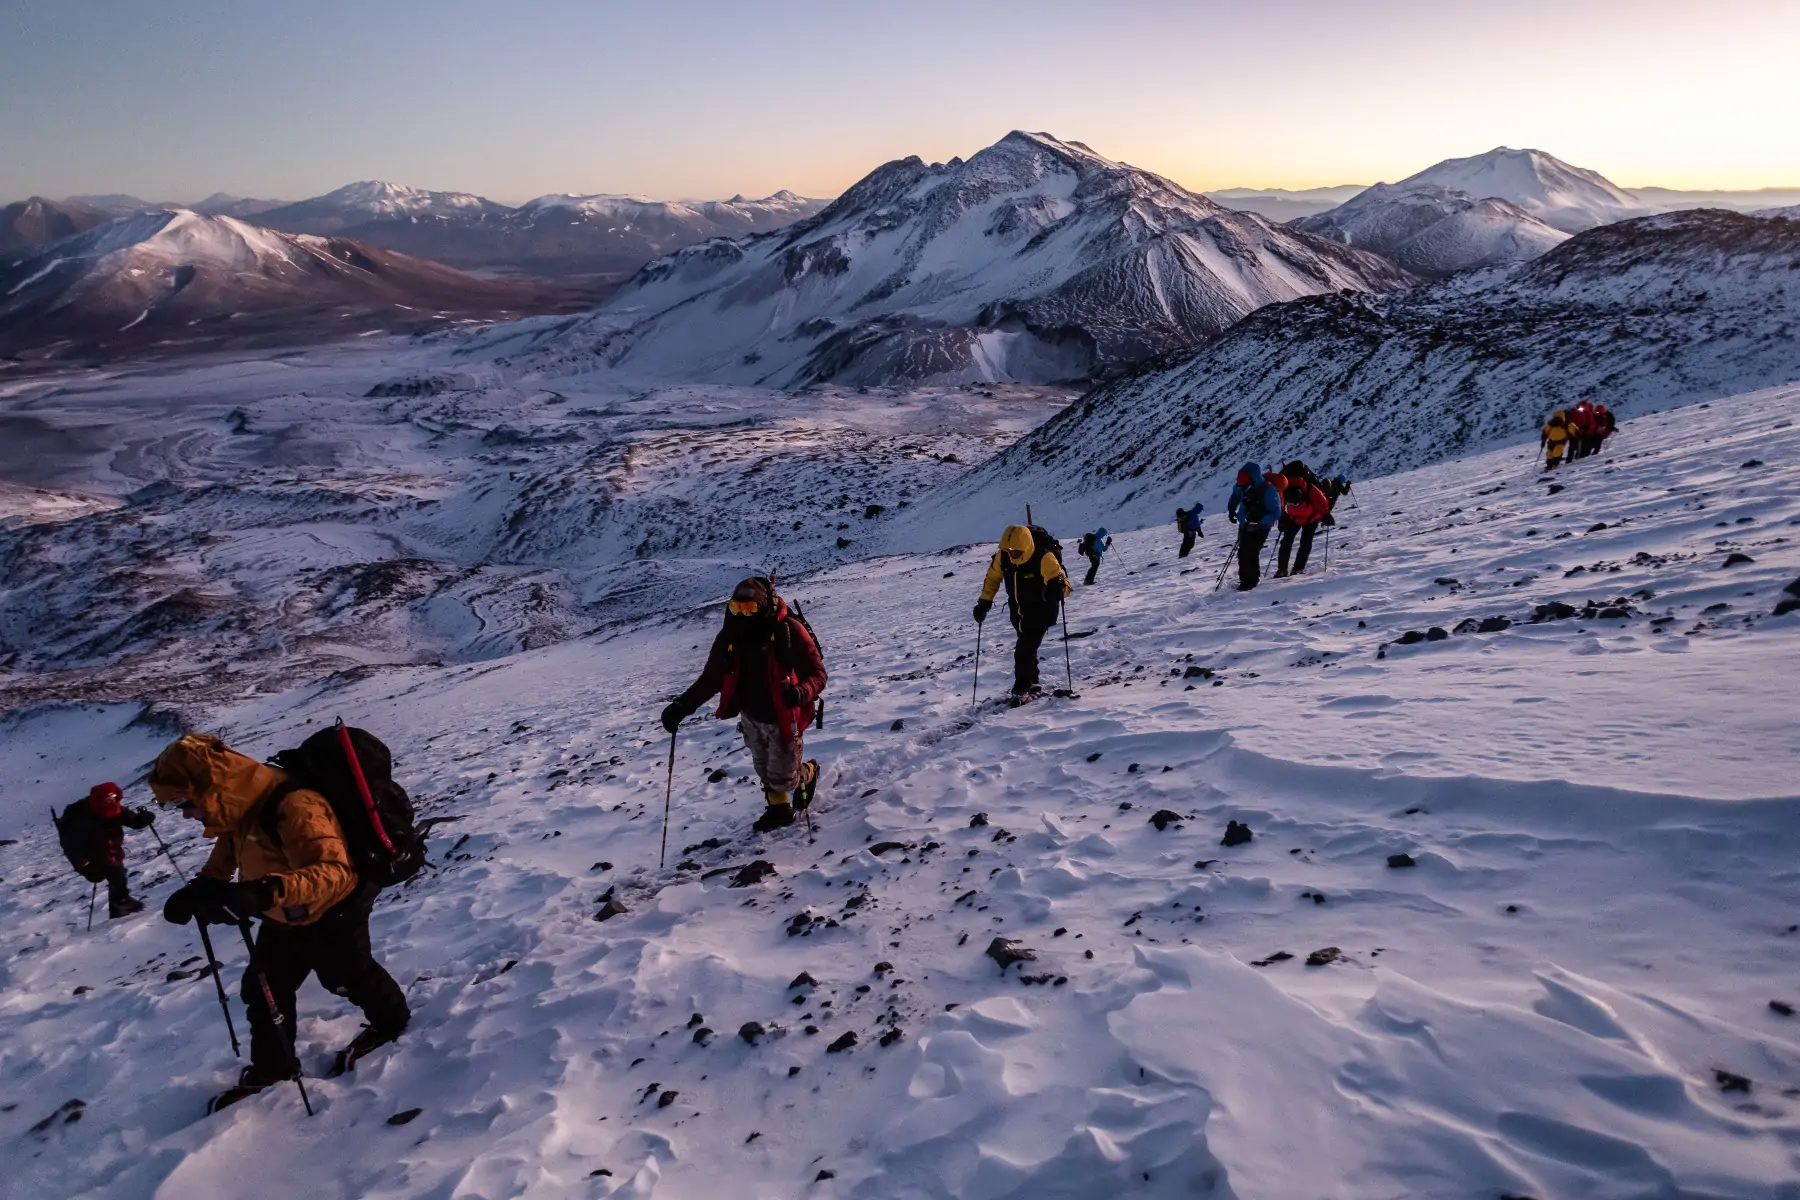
point(1163, 818)
point(1236, 834)
point(1006, 953)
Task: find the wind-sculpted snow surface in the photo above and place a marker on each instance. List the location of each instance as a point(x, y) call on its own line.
point(1035, 260)
point(1641, 316)
point(1567, 993)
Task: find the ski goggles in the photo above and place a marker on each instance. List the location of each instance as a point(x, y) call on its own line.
point(743, 608)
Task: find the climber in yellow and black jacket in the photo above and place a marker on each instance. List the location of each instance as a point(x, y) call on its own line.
point(1029, 565)
point(286, 850)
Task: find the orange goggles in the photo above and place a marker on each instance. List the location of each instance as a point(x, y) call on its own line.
point(743, 608)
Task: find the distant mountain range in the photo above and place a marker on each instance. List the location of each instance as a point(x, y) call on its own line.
point(171, 280)
point(1280, 204)
point(1643, 315)
point(1037, 260)
point(551, 236)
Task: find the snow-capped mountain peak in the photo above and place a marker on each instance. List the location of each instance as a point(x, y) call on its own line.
point(1035, 260)
point(1564, 196)
point(1434, 230)
point(379, 198)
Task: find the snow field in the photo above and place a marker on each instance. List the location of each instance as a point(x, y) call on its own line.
point(1600, 812)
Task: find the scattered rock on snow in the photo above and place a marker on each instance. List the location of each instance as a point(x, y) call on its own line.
point(69, 1113)
point(978, 820)
point(666, 1099)
point(1324, 956)
point(752, 1030)
point(1006, 952)
point(609, 907)
point(404, 1116)
point(1278, 956)
point(1401, 860)
point(1163, 818)
point(898, 725)
point(803, 979)
point(845, 1040)
point(1729, 1081)
point(1236, 834)
point(754, 872)
point(1781, 1007)
point(1735, 559)
point(1556, 610)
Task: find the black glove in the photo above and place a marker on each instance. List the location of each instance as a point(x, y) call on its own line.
point(1328, 519)
point(982, 608)
point(183, 903)
point(139, 818)
point(790, 694)
point(674, 714)
point(216, 902)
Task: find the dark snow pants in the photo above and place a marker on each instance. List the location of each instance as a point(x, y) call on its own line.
point(337, 947)
point(1187, 542)
point(1251, 540)
point(1034, 623)
point(118, 891)
point(1093, 567)
point(1289, 532)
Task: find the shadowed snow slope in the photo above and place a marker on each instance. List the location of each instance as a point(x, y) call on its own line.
point(1036, 260)
point(1552, 1001)
point(1640, 316)
point(1435, 231)
point(1565, 197)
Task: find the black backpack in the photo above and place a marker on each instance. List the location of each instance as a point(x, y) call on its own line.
point(75, 833)
point(353, 770)
point(1044, 542)
point(819, 702)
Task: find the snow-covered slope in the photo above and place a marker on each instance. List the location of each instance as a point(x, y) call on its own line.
point(1791, 213)
point(177, 277)
point(1566, 995)
point(1562, 196)
point(1036, 259)
point(1435, 231)
point(1642, 315)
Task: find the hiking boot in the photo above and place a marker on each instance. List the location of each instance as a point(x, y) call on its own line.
point(125, 908)
point(1282, 573)
point(361, 1046)
point(1299, 571)
point(775, 816)
point(251, 1080)
point(809, 782)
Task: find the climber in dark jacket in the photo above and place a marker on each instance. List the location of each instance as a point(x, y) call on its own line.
point(1254, 507)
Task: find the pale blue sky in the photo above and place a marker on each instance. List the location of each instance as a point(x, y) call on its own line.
point(173, 99)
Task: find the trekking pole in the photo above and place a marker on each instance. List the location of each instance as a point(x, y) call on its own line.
point(1229, 559)
point(975, 688)
point(219, 983)
point(93, 892)
point(668, 797)
point(1068, 670)
point(173, 863)
point(1328, 549)
point(279, 1021)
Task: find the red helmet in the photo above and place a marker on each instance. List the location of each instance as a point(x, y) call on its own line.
point(104, 799)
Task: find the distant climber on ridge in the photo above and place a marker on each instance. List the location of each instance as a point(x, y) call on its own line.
point(1187, 522)
point(1091, 547)
point(1303, 506)
point(1029, 563)
point(92, 832)
point(1554, 441)
point(768, 673)
point(1254, 508)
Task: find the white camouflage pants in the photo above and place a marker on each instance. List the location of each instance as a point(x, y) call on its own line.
point(777, 762)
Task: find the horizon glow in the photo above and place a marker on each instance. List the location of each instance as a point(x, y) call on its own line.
point(175, 101)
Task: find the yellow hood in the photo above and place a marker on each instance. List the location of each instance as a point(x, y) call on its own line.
point(225, 784)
